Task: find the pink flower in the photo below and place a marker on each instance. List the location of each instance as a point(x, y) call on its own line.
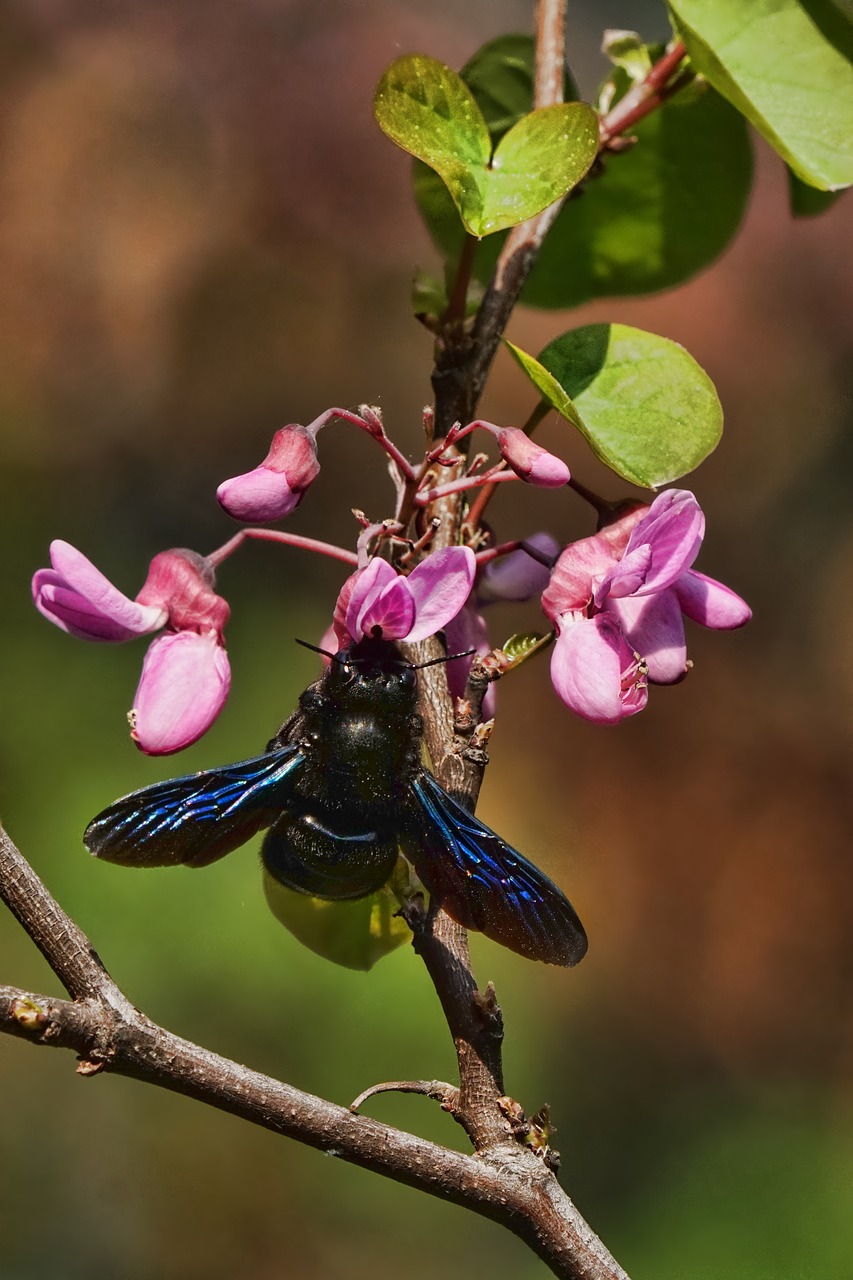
point(185, 675)
point(618, 599)
point(279, 484)
point(377, 600)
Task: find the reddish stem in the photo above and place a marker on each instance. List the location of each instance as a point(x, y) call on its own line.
point(347, 415)
point(288, 539)
point(497, 474)
point(645, 96)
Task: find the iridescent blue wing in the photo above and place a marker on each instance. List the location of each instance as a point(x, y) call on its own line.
point(198, 818)
point(487, 885)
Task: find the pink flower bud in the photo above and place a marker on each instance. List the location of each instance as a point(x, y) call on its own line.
point(530, 461)
point(275, 488)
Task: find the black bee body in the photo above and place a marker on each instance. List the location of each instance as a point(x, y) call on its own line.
point(342, 791)
point(359, 734)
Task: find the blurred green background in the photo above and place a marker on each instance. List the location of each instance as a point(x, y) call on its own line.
point(202, 236)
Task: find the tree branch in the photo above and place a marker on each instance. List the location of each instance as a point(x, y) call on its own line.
point(510, 1184)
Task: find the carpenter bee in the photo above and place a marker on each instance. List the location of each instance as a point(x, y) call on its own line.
point(342, 790)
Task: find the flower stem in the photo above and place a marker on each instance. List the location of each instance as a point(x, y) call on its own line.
point(495, 476)
point(478, 506)
point(288, 539)
point(347, 415)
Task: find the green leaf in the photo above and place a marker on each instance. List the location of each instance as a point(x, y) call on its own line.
point(542, 157)
point(806, 201)
point(429, 111)
point(352, 934)
point(657, 214)
point(787, 67)
point(648, 410)
point(547, 386)
point(647, 220)
point(627, 50)
point(523, 645)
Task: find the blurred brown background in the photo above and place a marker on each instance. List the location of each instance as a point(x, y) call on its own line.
point(204, 235)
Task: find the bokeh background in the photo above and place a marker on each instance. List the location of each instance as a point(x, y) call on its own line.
point(204, 235)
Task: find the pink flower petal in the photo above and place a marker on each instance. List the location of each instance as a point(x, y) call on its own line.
point(710, 602)
point(76, 596)
point(594, 670)
point(673, 527)
point(440, 585)
point(183, 687)
point(258, 496)
point(626, 577)
point(654, 628)
point(574, 575)
point(343, 638)
point(392, 611)
point(369, 583)
point(293, 452)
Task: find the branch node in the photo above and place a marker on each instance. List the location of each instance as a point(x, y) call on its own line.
point(438, 1090)
point(90, 1066)
point(488, 1011)
point(28, 1014)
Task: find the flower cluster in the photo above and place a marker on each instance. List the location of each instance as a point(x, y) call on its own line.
point(185, 675)
point(616, 599)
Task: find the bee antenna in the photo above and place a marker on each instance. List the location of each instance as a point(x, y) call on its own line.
point(316, 649)
point(417, 666)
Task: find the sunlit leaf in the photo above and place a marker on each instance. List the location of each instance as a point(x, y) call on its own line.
point(547, 386)
point(500, 76)
point(644, 220)
point(627, 50)
point(787, 67)
point(429, 111)
point(648, 410)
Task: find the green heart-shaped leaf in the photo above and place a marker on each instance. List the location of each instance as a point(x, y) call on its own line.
point(648, 410)
point(649, 218)
point(429, 111)
point(788, 67)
